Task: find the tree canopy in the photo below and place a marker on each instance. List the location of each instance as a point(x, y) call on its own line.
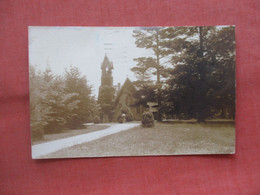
point(150, 38)
point(59, 102)
point(200, 73)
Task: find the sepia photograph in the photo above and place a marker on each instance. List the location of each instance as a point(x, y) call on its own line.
point(131, 91)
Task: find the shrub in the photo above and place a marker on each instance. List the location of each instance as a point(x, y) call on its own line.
point(147, 119)
point(96, 119)
point(120, 119)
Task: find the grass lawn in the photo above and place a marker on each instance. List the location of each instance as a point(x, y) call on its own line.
point(70, 133)
point(163, 139)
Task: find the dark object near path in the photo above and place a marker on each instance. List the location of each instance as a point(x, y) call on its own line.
point(147, 119)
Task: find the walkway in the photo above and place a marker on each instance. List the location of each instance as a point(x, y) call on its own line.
point(53, 146)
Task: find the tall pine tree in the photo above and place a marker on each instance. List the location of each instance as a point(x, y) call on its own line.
point(203, 71)
point(150, 38)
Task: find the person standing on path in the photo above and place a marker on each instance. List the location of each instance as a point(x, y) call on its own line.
point(124, 117)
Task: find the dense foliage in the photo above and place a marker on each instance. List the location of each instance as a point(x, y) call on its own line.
point(58, 103)
point(151, 39)
point(97, 119)
point(197, 65)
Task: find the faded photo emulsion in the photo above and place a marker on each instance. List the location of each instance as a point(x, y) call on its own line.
point(131, 91)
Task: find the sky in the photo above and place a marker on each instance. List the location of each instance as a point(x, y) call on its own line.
point(85, 47)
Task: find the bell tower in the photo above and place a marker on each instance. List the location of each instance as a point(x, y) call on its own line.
point(107, 67)
point(106, 90)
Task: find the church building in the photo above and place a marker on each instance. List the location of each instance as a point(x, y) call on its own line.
point(114, 102)
point(125, 102)
point(106, 91)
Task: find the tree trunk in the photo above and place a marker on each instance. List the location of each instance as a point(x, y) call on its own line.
point(158, 82)
point(201, 110)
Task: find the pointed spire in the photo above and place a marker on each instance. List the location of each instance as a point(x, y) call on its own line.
point(106, 64)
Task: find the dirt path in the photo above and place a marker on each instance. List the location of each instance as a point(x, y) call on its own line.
point(53, 146)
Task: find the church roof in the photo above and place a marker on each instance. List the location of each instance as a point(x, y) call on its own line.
point(127, 86)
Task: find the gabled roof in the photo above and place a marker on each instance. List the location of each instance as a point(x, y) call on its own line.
point(127, 84)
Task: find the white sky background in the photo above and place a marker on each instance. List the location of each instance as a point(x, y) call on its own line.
point(85, 48)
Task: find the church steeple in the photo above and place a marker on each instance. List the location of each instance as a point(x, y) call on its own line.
point(106, 90)
point(106, 67)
